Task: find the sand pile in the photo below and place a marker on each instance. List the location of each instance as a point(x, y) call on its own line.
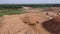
point(35, 22)
point(12, 25)
point(23, 24)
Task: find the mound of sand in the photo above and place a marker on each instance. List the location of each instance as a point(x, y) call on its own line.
point(35, 21)
point(23, 24)
point(12, 25)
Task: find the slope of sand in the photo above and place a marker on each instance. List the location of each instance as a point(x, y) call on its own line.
point(53, 25)
point(22, 24)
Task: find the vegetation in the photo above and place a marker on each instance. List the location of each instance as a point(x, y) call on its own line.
point(10, 12)
point(9, 9)
point(17, 6)
point(42, 5)
point(6, 9)
point(8, 6)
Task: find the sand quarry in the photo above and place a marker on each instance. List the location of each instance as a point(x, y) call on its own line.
point(29, 24)
point(45, 22)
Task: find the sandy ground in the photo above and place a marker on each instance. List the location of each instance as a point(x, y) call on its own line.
point(29, 23)
point(51, 11)
point(23, 24)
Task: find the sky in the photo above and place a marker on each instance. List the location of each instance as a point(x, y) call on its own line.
point(29, 1)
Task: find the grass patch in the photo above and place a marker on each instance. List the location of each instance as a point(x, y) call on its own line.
point(10, 12)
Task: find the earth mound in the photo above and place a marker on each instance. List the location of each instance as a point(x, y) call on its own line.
point(24, 24)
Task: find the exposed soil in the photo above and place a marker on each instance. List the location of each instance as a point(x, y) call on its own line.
point(15, 24)
point(30, 23)
point(53, 25)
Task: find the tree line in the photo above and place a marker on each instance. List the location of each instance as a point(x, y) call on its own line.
point(16, 6)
